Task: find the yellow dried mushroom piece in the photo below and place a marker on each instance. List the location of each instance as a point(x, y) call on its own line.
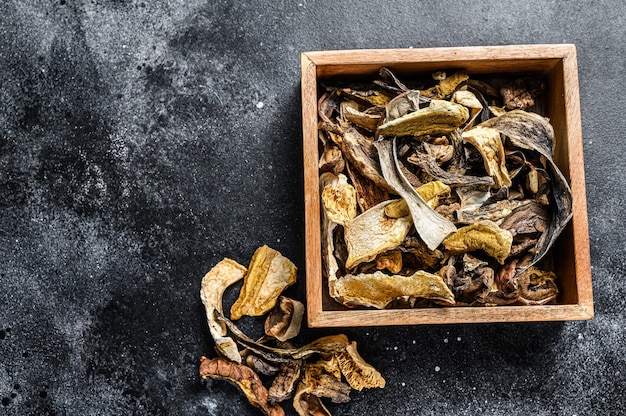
point(339, 199)
point(268, 275)
point(214, 283)
point(378, 289)
point(483, 235)
point(358, 373)
point(439, 117)
point(430, 192)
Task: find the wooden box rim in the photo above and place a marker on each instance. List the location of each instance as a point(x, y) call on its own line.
point(559, 59)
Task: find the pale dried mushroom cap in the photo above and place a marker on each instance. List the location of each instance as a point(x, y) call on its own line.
point(214, 283)
point(358, 373)
point(372, 233)
point(378, 290)
point(268, 275)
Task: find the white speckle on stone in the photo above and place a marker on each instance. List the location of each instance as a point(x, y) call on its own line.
point(278, 240)
point(414, 342)
point(458, 339)
point(395, 348)
point(581, 337)
point(260, 104)
point(403, 384)
point(445, 340)
point(437, 368)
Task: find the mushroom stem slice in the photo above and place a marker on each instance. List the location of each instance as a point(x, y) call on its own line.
point(440, 117)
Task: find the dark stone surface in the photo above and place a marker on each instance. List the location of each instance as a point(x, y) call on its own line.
point(141, 142)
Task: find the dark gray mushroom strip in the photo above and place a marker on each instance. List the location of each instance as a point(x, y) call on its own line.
point(428, 163)
point(326, 105)
point(432, 227)
point(533, 132)
point(475, 280)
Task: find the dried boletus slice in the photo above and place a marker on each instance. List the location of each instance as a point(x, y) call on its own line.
point(268, 275)
point(378, 289)
point(440, 117)
point(358, 373)
point(214, 283)
point(372, 233)
point(284, 321)
point(483, 235)
point(339, 199)
point(244, 378)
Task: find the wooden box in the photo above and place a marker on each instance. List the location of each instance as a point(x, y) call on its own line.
point(557, 64)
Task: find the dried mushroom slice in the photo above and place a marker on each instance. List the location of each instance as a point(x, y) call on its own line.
point(285, 319)
point(358, 373)
point(372, 233)
point(489, 144)
point(244, 378)
point(537, 287)
point(214, 283)
point(440, 117)
point(268, 275)
point(402, 104)
point(483, 235)
point(360, 152)
point(430, 192)
point(339, 199)
point(286, 380)
point(378, 290)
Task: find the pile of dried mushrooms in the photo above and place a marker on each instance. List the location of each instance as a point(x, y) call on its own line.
point(439, 193)
point(329, 367)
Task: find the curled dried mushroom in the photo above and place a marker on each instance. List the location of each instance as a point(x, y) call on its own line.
point(455, 179)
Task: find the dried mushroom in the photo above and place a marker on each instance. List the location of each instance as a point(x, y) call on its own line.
point(359, 374)
point(378, 290)
point(268, 275)
point(244, 378)
point(483, 235)
point(214, 283)
point(372, 233)
point(489, 144)
point(284, 320)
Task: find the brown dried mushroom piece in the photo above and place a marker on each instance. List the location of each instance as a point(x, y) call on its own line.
point(362, 155)
point(284, 385)
point(285, 319)
point(378, 290)
point(244, 378)
point(268, 275)
point(537, 287)
point(214, 283)
point(446, 86)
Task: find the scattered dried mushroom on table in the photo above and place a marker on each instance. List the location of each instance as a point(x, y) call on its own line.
point(326, 368)
point(438, 194)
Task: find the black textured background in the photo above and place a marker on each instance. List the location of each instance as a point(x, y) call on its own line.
point(141, 142)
